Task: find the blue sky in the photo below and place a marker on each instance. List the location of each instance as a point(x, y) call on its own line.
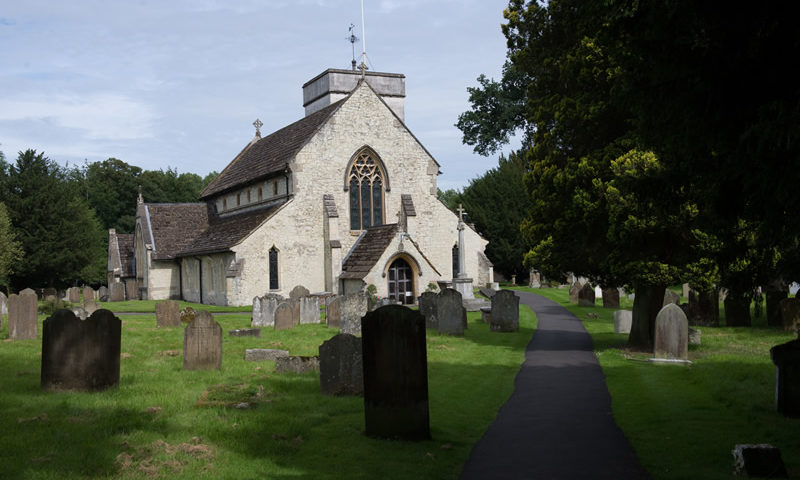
point(178, 83)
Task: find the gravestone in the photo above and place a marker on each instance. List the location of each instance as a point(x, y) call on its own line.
point(333, 312)
point(534, 279)
point(264, 311)
point(574, 289)
point(762, 460)
point(340, 366)
point(486, 314)
point(168, 314)
point(74, 295)
point(23, 317)
point(263, 354)
point(102, 293)
point(284, 316)
point(395, 374)
point(3, 306)
point(695, 336)
point(685, 290)
point(49, 292)
point(296, 364)
point(295, 304)
point(427, 307)
point(29, 291)
point(80, 312)
point(354, 306)
point(586, 296)
point(610, 298)
point(786, 358)
point(245, 332)
point(487, 292)
point(622, 321)
point(672, 334)
point(298, 292)
point(202, 343)
point(703, 308)
point(309, 310)
point(671, 297)
point(450, 313)
point(505, 312)
point(132, 290)
point(790, 313)
point(117, 292)
point(88, 294)
point(81, 355)
point(90, 307)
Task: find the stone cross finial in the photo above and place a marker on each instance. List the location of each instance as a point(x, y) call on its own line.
point(140, 199)
point(461, 213)
point(258, 124)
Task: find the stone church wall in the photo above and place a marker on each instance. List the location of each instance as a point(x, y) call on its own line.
point(164, 280)
point(190, 279)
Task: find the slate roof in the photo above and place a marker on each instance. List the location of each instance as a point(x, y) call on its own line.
point(125, 246)
point(174, 226)
point(269, 155)
point(222, 233)
point(368, 250)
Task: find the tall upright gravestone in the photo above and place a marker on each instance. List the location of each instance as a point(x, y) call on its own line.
point(672, 333)
point(574, 289)
point(309, 310)
point(610, 298)
point(168, 314)
point(88, 295)
point(202, 343)
point(450, 313)
point(354, 306)
point(264, 311)
point(74, 295)
point(586, 296)
point(298, 292)
point(284, 316)
point(23, 317)
point(117, 292)
point(81, 355)
point(505, 312)
point(395, 374)
point(333, 312)
point(341, 370)
point(786, 358)
point(427, 307)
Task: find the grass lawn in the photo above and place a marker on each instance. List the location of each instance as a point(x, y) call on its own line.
point(684, 421)
point(163, 422)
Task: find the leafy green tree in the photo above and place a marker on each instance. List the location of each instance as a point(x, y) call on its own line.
point(112, 187)
point(11, 253)
point(450, 197)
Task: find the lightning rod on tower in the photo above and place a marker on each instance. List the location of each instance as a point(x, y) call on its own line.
point(353, 39)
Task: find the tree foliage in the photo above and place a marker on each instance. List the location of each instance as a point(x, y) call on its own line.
point(11, 253)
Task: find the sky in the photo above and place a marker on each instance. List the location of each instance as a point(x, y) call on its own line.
point(178, 83)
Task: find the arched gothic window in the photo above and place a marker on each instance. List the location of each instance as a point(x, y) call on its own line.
point(366, 184)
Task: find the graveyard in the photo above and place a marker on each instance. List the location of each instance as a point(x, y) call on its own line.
point(243, 420)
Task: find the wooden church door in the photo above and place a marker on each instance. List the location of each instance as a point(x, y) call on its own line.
point(401, 282)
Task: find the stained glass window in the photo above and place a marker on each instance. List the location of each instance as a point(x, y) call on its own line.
point(366, 192)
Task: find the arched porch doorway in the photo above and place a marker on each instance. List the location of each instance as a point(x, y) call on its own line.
point(401, 282)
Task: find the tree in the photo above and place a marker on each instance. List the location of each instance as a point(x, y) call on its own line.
point(112, 187)
point(10, 250)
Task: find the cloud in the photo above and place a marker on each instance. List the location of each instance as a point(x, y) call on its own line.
point(102, 116)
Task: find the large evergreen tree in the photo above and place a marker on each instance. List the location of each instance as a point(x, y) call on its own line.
point(11, 253)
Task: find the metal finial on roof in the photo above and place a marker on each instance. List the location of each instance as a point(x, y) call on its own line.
point(258, 124)
point(353, 39)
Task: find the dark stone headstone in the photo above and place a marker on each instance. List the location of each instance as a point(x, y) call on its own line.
point(88, 295)
point(168, 314)
point(23, 317)
point(333, 312)
point(80, 354)
point(737, 308)
point(245, 332)
point(703, 308)
point(586, 296)
point(505, 312)
point(354, 306)
point(786, 358)
point(264, 311)
point(487, 292)
point(450, 312)
point(427, 307)
point(762, 461)
point(202, 343)
point(610, 298)
point(296, 364)
point(74, 295)
point(299, 292)
point(117, 292)
point(263, 354)
point(395, 374)
point(309, 310)
point(102, 294)
point(774, 298)
point(284, 316)
point(790, 313)
point(672, 334)
point(340, 366)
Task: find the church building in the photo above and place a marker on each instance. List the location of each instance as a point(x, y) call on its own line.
point(344, 198)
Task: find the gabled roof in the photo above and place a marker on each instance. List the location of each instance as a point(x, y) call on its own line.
point(269, 155)
point(368, 250)
point(225, 232)
point(173, 226)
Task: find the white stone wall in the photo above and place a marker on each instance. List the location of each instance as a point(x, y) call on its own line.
point(190, 279)
point(163, 280)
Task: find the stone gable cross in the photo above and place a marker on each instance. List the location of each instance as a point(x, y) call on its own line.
point(258, 126)
point(461, 213)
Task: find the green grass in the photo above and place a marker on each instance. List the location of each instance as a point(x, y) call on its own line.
point(149, 306)
point(684, 421)
point(164, 422)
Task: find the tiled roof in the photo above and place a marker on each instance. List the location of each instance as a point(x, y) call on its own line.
point(125, 243)
point(174, 226)
point(368, 250)
point(408, 205)
point(269, 155)
point(224, 232)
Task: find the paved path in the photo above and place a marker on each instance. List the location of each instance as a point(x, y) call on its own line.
point(558, 422)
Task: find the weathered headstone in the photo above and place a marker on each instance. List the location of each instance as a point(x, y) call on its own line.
point(333, 312)
point(29, 291)
point(132, 289)
point(505, 312)
point(790, 313)
point(309, 310)
point(298, 292)
point(354, 306)
point(74, 295)
point(487, 292)
point(245, 332)
point(610, 298)
point(395, 374)
point(703, 308)
point(117, 292)
point(574, 289)
point(80, 312)
point(786, 358)
point(427, 307)
point(534, 279)
point(88, 294)
point(763, 461)
point(90, 307)
point(672, 333)
point(23, 317)
point(81, 355)
point(3, 306)
point(622, 321)
point(695, 336)
point(296, 364)
point(102, 293)
point(263, 354)
point(671, 297)
point(685, 290)
point(202, 343)
point(450, 313)
point(340, 366)
point(586, 296)
point(168, 314)
point(264, 311)
point(284, 316)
